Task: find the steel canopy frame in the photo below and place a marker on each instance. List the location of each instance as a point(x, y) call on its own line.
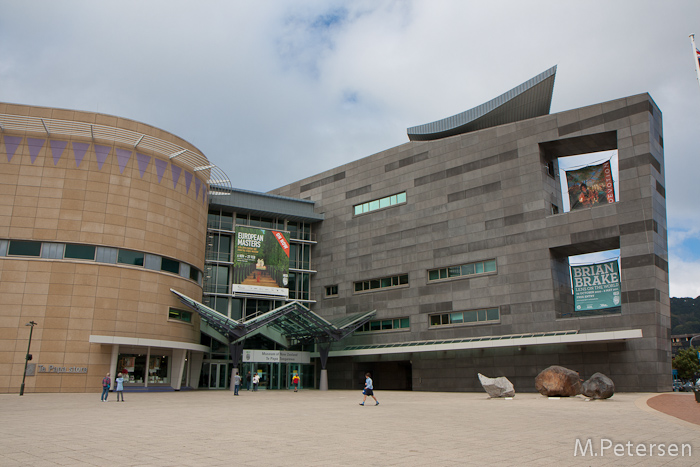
point(292, 319)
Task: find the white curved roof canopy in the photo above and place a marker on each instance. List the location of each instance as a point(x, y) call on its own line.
point(531, 99)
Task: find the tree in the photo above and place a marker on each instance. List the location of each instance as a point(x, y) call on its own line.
point(687, 364)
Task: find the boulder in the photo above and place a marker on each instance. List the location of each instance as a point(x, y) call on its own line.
point(558, 381)
point(497, 387)
point(598, 386)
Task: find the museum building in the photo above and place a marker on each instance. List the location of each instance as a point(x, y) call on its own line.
point(425, 264)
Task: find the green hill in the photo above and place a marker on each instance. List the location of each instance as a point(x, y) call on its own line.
point(685, 315)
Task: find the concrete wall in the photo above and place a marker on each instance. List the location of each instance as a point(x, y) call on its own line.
point(488, 195)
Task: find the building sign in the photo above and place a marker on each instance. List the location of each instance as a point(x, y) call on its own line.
point(590, 186)
point(275, 356)
point(61, 369)
point(596, 286)
point(261, 262)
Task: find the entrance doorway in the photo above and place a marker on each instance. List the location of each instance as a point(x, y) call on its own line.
point(215, 375)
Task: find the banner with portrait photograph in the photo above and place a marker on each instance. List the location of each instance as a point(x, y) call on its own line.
point(590, 186)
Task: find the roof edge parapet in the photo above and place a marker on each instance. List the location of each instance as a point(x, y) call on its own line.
point(531, 99)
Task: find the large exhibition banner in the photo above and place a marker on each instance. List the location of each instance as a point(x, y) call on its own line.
point(590, 186)
point(261, 261)
point(596, 286)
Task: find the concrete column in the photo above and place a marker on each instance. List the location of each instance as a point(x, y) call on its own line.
point(323, 386)
point(178, 366)
point(113, 364)
point(195, 368)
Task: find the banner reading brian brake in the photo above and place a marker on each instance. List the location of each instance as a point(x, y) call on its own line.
point(596, 286)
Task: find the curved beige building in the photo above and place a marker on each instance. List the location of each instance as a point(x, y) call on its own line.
point(100, 217)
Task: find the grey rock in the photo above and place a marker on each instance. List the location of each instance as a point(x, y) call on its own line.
point(598, 386)
point(497, 387)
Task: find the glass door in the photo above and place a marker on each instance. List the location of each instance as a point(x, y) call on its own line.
point(218, 375)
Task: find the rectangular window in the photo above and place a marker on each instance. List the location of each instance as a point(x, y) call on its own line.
point(133, 258)
point(24, 248)
point(332, 291)
point(79, 252)
point(394, 324)
point(381, 283)
point(180, 315)
point(381, 203)
point(194, 274)
point(170, 265)
point(470, 269)
point(489, 315)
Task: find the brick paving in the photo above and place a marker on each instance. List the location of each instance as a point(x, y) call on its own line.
point(678, 404)
point(329, 428)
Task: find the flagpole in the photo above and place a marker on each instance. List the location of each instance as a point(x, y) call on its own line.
point(696, 56)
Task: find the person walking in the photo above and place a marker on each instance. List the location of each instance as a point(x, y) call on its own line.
point(256, 380)
point(119, 389)
point(236, 383)
point(106, 383)
point(369, 390)
point(295, 381)
point(247, 381)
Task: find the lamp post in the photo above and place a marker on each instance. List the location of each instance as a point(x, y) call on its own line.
point(28, 356)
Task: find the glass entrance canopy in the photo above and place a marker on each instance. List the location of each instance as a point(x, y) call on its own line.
point(296, 322)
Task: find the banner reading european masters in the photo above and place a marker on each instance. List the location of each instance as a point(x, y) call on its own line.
point(590, 186)
point(596, 286)
point(261, 261)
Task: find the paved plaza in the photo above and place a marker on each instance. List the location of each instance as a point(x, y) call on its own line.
point(314, 428)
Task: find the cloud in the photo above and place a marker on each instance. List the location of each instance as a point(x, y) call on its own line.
point(307, 85)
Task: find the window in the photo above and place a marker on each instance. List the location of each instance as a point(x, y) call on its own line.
point(488, 315)
point(394, 324)
point(194, 274)
point(550, 169)
point(299, 256)
point(79, 252)
point(470, 269)
point(133, 258)
point(332, 291)
point(555, 209)
point(24, 248)
point(380, 203)
point(180, 315)
point(373, 284)
point(170, 265)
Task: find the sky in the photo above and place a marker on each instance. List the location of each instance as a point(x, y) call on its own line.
point(276, 91)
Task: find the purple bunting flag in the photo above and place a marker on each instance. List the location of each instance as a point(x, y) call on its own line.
point(143, 161)
point(101, 153)
point(176, 174)
point(79, 150)
point(188, 181)
point(123, 156)
point(161, 165)
point(35, 146)
point(11, 145)
point(57, 148)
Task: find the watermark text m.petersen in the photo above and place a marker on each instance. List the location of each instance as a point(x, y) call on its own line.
point(606, 447)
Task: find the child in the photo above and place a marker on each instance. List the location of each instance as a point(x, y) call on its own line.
point(369, 390)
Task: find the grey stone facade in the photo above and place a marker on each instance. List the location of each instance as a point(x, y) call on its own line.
point(488, 195)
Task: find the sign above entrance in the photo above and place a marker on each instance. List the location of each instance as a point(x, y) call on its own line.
point(275, 356)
